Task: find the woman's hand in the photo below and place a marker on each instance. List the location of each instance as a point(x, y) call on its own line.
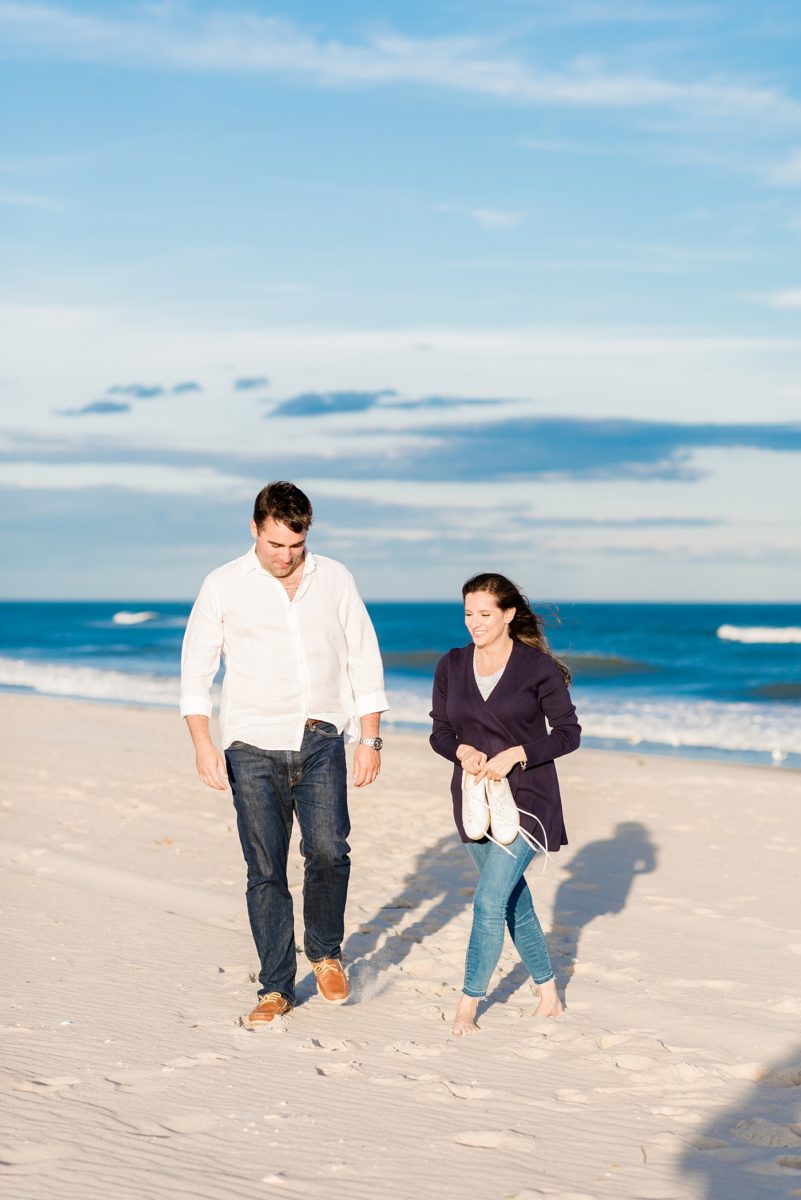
point(473, 761)
point(500, 766)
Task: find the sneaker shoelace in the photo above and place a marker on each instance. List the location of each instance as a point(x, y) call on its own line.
point(527, 837)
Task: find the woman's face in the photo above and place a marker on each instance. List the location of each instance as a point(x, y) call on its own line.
point(486, 622)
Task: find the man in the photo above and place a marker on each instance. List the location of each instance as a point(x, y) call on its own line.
point(302, 666)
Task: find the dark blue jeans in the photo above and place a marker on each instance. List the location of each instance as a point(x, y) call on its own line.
point(269, 787)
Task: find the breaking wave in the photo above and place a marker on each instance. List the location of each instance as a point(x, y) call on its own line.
point(760, 634)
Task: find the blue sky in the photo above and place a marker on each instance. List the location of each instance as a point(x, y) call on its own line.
point(511, 286)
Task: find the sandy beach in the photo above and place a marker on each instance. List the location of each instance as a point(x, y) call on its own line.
point(673, 916)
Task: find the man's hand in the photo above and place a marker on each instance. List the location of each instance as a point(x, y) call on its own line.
point(211, 767)
point(500, 766)
point(473, 761)
point(366, 765)
point(210, 763)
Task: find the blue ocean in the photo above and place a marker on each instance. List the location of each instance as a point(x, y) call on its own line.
point(714, 680)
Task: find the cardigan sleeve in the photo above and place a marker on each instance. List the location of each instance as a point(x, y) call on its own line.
point(558, 708)
point(443, 736)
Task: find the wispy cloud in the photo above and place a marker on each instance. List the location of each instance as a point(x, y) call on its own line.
point(549, 449)
point(12, 199)
point(320, 404)
point(169, 37)
point(316, 404)
point(137, 391)
point(96, 408)
point(492, 219)
point(789, 298)
point(787, 173)
point(251, 383)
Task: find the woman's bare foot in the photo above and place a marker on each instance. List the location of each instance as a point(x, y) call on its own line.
point(464, 1023)
point(550, 1005)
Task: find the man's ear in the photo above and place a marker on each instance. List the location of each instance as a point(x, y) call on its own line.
point(254, 529)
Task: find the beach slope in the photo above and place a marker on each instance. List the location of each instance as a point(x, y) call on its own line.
point(673, 918)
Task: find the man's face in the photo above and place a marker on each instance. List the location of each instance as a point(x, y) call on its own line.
point(278, 548)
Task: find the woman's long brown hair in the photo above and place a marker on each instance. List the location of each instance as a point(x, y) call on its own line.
point(526, 626)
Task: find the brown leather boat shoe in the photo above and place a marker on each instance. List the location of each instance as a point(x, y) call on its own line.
point(332, 982)
point(270, 1006)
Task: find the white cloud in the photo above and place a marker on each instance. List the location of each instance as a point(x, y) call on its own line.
point(789, 298)
point(241, 41)
point(147, 478)
point(12, 199)
point(492, 219)
point(787, 173)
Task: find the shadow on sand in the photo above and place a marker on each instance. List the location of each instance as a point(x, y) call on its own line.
point(752, 1148)
point(442, 873)
point(597, 883)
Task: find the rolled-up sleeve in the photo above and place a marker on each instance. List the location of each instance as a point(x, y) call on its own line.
point(565, 732)
point(364, 666)
point(200, 656)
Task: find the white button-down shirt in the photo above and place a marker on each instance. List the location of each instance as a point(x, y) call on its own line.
point(285, 660)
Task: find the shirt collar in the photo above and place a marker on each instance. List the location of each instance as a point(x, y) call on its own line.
point(251, 563)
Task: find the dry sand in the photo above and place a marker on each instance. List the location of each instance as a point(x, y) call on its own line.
point(674, 913)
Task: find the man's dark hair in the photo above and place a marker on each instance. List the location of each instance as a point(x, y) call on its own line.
point(286, 504)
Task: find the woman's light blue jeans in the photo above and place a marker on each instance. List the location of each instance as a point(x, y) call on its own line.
point(502, 899)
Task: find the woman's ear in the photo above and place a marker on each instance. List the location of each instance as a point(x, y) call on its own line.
point(509, 615)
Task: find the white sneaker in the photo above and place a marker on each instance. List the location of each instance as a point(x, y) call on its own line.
point(504, 817)
point(475, 812)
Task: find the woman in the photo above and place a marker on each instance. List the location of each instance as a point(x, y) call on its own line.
point(491, 701)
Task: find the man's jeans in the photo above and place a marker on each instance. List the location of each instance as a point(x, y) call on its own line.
point(268, 787)
point(502, 899)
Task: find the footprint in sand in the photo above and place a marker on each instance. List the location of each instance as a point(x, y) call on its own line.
point(753, 1070)
point(790, 1162)
point(204, 1059)
point(531, 1052)
point(788, 1005)
point(528, 1194)
point(414, 1049)
point(340, 1069)
point(767, 1133)
point(685, 1116)
point(607, 1041)
point(683, 1072)
point(495, 1139)
point(466, 1091)
point(633, 1062)
point(784, 1077)
point(328, 1045)
point(570, 1096)
point(51, 1083)
point(714, 985)
point(133, 1081)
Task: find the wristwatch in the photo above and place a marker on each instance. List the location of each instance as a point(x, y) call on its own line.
point(374, 743)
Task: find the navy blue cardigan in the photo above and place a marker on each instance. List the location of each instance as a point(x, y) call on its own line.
point(530, 689)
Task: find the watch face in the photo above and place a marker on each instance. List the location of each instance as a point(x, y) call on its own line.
point(378, 743)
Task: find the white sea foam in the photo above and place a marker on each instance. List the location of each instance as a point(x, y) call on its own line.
point(760, 634)
point(88, 683)
point(771, 728)
point(133, 618)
